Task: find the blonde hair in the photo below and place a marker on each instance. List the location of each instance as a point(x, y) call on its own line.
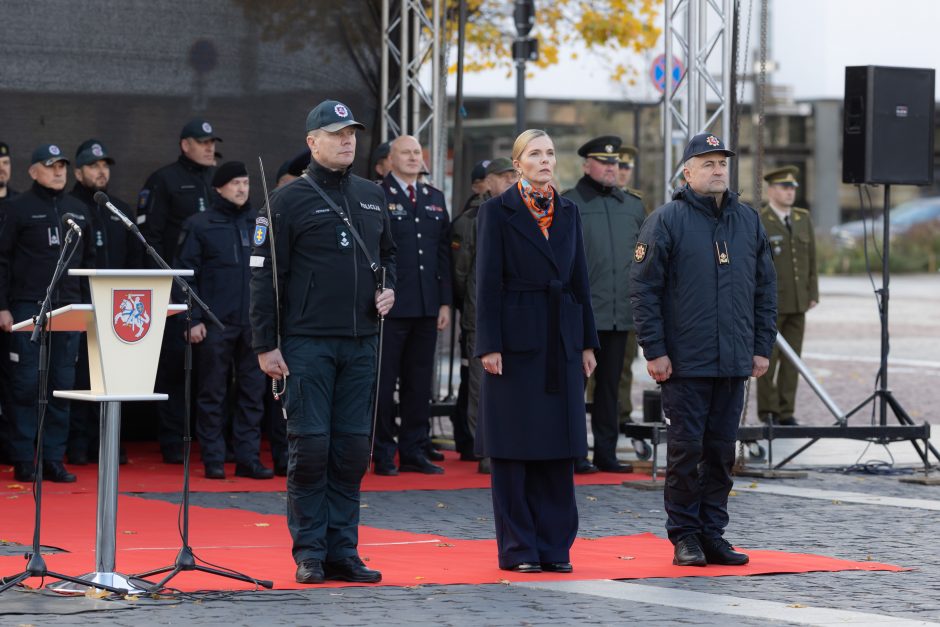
point(518, 146)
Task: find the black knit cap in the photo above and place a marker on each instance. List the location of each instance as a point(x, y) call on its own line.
point(228, 171)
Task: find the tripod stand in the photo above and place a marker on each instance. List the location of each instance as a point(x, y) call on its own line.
point(185, 559)
point(36, 566)
point(882, 397)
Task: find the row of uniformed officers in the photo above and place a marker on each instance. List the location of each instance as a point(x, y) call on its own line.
point(537, 268)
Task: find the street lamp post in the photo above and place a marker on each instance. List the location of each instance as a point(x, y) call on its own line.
point(524, 48)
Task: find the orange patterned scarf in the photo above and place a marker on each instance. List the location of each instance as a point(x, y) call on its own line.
point(541, 204)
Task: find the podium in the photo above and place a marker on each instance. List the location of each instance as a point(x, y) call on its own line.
point(125, 325)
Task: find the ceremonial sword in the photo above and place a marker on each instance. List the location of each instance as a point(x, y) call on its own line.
point(278, 386)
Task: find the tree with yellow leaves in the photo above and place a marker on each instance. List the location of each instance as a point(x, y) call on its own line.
point(603, 27)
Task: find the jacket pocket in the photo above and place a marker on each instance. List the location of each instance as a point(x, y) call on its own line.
point(520, 330)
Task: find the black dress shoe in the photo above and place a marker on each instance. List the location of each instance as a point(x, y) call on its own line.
point(386, 469)
point(420, 464)
point(615, 467)
point(484, 467)
point(435, 455)
point(557, 567)
point(719, 551)
point(469, 456)
point(351, 569)
point(254, 470)
point(172, 456)
point(215, 471)
point(24, 471)
point(524, 567)
point(584, 467)
point(768, 417)
point(310, 571)
point(56, 472)
point(787, 421)
point(688, 552)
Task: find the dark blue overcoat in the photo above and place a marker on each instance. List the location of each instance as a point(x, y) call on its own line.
point(534, 307)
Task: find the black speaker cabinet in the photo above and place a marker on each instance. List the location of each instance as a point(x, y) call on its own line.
point(888, 128)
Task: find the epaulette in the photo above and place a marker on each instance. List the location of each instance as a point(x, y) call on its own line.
point(633, 192)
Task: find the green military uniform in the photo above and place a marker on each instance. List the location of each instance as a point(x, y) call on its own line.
point(793, 244)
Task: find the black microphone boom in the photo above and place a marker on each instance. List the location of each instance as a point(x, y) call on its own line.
point(102, 199)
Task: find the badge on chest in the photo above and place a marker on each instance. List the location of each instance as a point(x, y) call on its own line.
point(396, 210)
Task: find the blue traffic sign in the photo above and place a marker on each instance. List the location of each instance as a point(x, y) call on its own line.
point(658, 72)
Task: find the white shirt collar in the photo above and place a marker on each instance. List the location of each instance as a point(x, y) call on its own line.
point(403, 184)
point(780, 214)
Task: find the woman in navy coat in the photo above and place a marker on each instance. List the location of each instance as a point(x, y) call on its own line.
point(536, 338)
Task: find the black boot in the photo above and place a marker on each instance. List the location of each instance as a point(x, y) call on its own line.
point(688, 552)
point(719, 551)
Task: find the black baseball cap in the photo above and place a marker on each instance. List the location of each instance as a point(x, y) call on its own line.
point(4, 150)
point(47, 154)
point(704, 143)
point(478, 173)
point(331, 116)
point(199, 128)
point(90, 151)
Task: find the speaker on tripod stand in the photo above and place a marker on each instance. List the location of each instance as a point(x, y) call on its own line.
point(888, 139)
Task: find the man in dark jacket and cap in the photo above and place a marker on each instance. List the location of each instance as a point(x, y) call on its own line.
point(704, 296)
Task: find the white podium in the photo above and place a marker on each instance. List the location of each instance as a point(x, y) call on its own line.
point(125, 325)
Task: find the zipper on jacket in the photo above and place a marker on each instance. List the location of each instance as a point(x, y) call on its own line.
point(355, 261)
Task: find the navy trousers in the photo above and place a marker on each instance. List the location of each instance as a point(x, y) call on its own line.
point(215, 356)
point(407, 357)
point(702, 416)
point(534, 509)
point(24, 366)
point(329, 419)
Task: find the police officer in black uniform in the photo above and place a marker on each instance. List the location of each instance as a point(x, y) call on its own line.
point(170, 195)
point(6, 194)
point(704, 299)
point(115, 248)
point(420, 227)
point(31, 239)
point(217, 245)
point(329, 313)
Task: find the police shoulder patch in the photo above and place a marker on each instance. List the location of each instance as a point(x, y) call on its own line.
point(639, 254)
point(261, 233)
point(142, 199)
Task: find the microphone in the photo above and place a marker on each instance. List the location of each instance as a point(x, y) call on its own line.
point(69, 219)
point(102, 199)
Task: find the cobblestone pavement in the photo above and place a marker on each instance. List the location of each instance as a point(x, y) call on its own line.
point(822, 519)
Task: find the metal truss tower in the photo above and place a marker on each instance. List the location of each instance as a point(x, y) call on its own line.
point(698, 33)
point(412, 87)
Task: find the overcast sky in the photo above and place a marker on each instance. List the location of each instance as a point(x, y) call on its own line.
point(811, 41)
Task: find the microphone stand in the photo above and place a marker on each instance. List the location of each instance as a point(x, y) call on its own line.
point(36, 565)
point(185, 559)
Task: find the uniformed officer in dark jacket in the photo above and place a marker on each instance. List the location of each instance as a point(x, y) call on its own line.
point(31, 239)
point(329, 327)
point(628, 157)
point(217, 245)
point(705, 306)
point(115, 248)
point(170, 195)
point(6, 408)
point(611, 219)
point(420, 227)
point(793, 243)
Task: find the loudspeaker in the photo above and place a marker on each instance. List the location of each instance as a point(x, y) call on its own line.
point(888, 126)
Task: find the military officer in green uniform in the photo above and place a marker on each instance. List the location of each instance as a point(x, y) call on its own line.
point(628, 156)
point(790, 233)
point(611, 219)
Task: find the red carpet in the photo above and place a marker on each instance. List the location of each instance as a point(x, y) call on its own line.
point(259, 545)
point(146, 472)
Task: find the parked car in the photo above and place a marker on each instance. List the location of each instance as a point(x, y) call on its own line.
point(902, 219)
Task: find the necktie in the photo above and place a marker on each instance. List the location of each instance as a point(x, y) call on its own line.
point(411, 194)
point(786, 220)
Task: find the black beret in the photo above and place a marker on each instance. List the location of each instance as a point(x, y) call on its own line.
point(228, 171)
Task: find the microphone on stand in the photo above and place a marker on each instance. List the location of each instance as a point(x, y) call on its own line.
point(70, 220)
point(102, 199)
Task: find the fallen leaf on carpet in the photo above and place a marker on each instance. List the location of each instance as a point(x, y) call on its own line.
point(128, 532)
point(262, 524)
point(441, 506)
point(627, 557)
point(796, 605)
point(592, 498)
point(444, 544)
point(15, 486)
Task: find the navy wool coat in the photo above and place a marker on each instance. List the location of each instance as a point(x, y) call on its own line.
point(533, 307)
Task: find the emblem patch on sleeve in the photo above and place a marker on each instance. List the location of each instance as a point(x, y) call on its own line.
point(261, 234)
point(640, 253)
